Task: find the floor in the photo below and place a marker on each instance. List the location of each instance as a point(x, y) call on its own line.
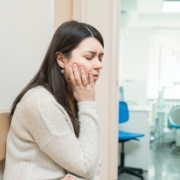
point(164, 162)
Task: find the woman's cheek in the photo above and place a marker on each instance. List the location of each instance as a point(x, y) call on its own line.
point(67, 74)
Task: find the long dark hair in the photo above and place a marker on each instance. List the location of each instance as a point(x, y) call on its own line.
point(66, 38)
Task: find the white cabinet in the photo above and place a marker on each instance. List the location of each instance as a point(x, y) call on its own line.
point(137, 152)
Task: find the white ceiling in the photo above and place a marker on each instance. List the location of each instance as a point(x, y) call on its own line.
point(147, 13)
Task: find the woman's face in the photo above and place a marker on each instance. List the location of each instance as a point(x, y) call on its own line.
point(87, 54)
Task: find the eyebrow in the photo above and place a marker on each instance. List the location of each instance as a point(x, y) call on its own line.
point(93, 52)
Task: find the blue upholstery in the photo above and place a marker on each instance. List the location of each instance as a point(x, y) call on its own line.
point(123, 112)
point(124, 117)
point(124, 136)
point(174, 123)
point(129, 136)
point(174, 117)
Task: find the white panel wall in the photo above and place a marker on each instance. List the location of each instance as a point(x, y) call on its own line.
point(25, 30)
point(134, 67)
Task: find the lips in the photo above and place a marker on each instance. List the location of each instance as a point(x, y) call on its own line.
point(96, 76)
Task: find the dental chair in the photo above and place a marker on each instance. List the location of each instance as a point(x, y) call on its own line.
point(124, 137)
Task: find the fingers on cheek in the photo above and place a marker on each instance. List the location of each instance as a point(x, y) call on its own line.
point(85, 72)
point(89, 75)
point(91, 80)
point(70, 74)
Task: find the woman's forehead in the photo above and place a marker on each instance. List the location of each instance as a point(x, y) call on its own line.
point(90, 44)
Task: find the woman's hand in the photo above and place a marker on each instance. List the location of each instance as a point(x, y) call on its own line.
point(68, 178)
point(82, 85)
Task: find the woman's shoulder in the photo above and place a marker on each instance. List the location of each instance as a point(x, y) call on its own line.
point(38, 93)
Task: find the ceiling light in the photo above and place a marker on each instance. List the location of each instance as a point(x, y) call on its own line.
point(171, 6)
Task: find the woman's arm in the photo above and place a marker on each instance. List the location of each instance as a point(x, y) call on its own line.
point(47, 122)
point(95, 177)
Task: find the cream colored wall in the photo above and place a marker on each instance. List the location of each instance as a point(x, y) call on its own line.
point(103, 14)
point(63, 11)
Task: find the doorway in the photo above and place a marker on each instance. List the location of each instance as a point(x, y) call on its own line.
point(149, 76)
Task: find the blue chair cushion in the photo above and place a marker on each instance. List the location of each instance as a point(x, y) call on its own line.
point(123, 112)
point(123, 136)
point(173, 125)
point(174, 117)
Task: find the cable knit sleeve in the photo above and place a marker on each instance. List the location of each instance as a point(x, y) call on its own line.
point(46, 121)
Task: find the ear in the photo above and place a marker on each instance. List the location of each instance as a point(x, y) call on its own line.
point(61, 60)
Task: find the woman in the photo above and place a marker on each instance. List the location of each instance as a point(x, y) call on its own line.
point(54, 131)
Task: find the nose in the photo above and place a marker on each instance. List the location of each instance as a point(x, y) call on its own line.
point(97, 64)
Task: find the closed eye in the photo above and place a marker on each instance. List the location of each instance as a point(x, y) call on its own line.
point(101, 58)
point(88, 58)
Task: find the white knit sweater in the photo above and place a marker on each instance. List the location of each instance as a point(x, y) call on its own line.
point(41, 143)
